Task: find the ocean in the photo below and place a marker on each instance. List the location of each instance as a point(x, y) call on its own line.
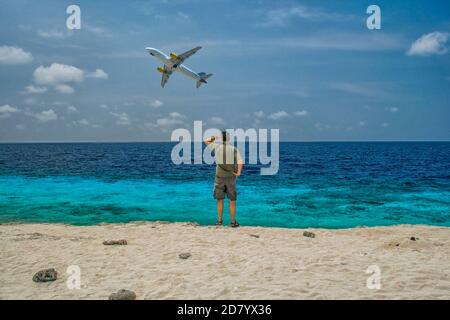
point(319, 184)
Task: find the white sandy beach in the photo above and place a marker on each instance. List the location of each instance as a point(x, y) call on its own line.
point(225, 263)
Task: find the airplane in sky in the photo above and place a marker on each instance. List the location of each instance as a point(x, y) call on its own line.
point(174, 62)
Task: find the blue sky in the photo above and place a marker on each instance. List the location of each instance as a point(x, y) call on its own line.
point(310, 68)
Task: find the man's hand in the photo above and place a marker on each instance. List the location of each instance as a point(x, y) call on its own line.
point(210, 140)
point(239, 169)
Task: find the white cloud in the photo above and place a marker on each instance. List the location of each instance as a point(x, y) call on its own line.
point(322, 126)
point(393, 109)
point(385, 124)
point(61, 76)
point(104, 106)
point(45, 116)
point(169, 122)
point(278, 115)
point(30, 101)
point(78, 123)
point(6, 110)
point(346, 41)
point(20, 126)
point(64, 88)
point(57, 74)
point(183, 15)
point(217, 121)
point(156, 103)
point(259, 114)
point(129, 103)
point(53, 34)
point(283, 16)
point(33, 89)
point(72, 109)
point(176, 115)
point(362, 123)
point(96, 30)
point(256, 122)
point(365, 89)
point(122, 119)
point(98, 74)
point(301, 113)
point(429, 44)
point(14, 55)
point(166, 122)
point(82, 122)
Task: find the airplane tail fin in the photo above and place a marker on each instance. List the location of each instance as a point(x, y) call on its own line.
point(203, 77)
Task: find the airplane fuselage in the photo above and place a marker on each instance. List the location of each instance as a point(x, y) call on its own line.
point(161, 56)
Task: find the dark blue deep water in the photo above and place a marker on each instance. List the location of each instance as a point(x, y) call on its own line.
point(327, 184)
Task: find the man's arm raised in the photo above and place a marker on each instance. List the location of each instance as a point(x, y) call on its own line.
point(209, 140)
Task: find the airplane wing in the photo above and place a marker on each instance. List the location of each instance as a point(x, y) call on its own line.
point(181, 57)
point(166, 72)
point(165, 77)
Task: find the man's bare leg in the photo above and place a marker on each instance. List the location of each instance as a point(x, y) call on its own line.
point(219, 210)
point(233, 211)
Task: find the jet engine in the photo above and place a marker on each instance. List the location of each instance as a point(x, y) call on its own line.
point(173, 56)
point(161, 69)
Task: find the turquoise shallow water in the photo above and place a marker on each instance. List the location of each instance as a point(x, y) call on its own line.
point(332, 185)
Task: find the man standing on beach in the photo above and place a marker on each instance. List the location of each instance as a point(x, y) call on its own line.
point(227, 156)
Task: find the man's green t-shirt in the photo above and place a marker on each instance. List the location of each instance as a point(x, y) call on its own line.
point(227, 157)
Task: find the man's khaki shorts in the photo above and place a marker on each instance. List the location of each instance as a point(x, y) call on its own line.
point(224, 185)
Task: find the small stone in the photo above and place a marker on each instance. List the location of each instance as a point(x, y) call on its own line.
point(161, 222)
point(123, 295)
point(185, 255)
point(414, 239)
point(191, 224)
point(254, 236)
point(45, 275)
point(115, 242)
point(309, 234)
